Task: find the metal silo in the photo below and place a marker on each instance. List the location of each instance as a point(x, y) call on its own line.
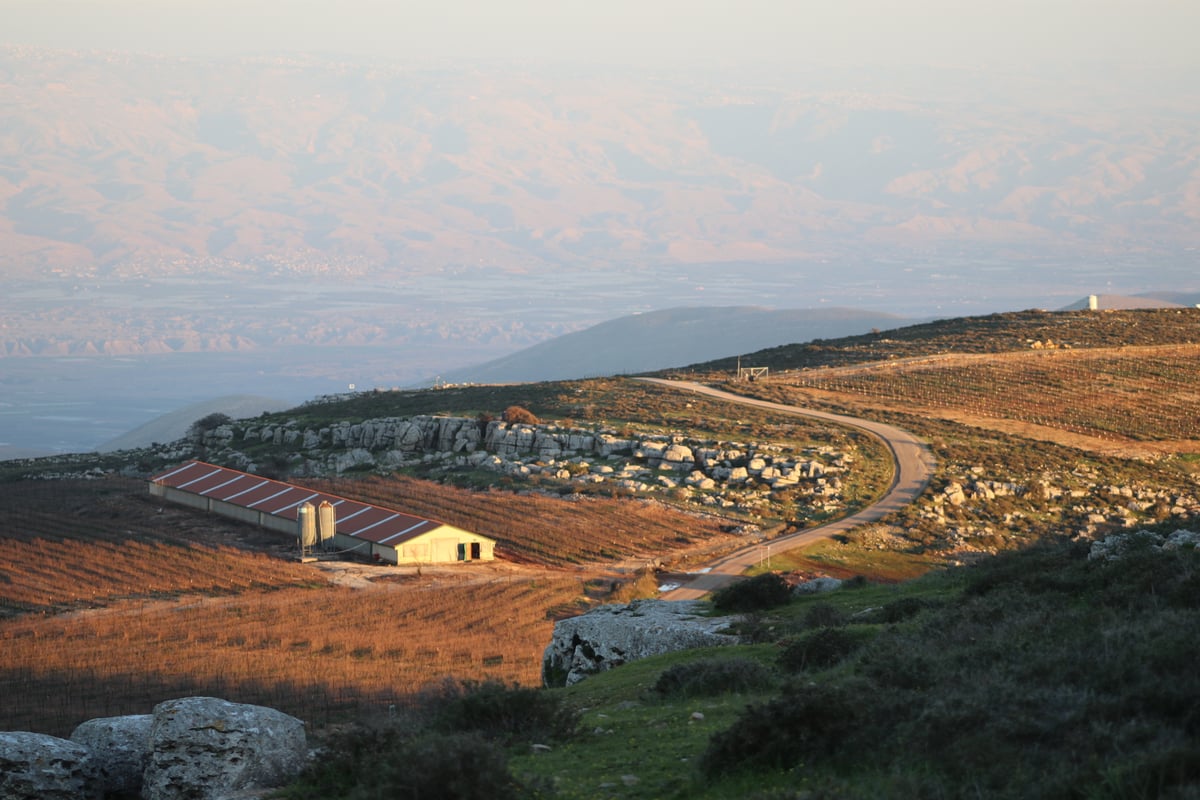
point(306, 526)
point(326, 522)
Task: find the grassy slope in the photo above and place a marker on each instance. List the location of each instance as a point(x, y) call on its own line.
point(1036, 674)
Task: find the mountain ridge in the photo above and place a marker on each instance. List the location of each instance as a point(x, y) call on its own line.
point(123, 164)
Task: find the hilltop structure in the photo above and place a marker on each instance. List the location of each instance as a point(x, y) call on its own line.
point(337, 523)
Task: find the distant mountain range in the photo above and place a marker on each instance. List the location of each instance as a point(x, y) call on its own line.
point(124, 164)
point(673, 337)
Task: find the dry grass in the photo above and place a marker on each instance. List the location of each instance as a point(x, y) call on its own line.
point(1138, 394)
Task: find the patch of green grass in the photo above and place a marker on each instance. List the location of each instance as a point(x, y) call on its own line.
point(628, 731)
point(844, 560)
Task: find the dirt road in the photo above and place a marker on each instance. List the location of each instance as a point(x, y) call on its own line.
point(914, 464)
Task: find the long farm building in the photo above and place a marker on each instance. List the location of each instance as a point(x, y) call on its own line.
point(336, 523)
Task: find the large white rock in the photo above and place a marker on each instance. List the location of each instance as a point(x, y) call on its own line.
point(34, 766)
point(204, 748)
point(678, 457)
point(120, 748)
point(611, 635)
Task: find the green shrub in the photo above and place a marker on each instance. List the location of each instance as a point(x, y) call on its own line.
point(754, 594)
point(453, 766)
point(805, 723)
point(507, 714)
point(817, 649)
point(365, 763)
point(902, 609)
point(712, 677)
point(899, 663)
point(824, 615)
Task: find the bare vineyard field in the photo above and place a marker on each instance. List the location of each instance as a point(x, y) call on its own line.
point(321, 654)
point(544, 530)
point(72, 544)
point(1138, 393)
point(111, 601)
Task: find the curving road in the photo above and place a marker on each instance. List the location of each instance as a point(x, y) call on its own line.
point(914, 464)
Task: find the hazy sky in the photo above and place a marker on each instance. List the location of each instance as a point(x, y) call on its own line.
point(676, 32)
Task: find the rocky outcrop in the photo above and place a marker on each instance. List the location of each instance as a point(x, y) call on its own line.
point(715, 474)
point(203, 748)
point(195, 748)
point(611, 635)
point(34, 766)
point(120, 748)
point(1118, 545)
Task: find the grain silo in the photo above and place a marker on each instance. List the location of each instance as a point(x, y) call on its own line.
point(306, 526)
point(326, 523)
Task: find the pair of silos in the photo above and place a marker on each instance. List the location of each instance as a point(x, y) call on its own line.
point(315, 525)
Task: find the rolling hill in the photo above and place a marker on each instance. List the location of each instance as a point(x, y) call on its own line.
point(174, 425)
point(659, 339)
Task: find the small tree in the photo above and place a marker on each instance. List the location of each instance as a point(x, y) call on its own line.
point(519, 415)
point(206, 424)
point(759, 593)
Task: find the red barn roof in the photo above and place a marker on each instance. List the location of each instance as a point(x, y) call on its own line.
point(362, 520)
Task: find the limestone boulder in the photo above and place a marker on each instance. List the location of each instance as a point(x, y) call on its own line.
point(120, 748)
point(612, 635)
point(34, 766)
point(678, 457)
point(817, 586)
point(205, 748)
point(1182, 539)
point(1118, 545)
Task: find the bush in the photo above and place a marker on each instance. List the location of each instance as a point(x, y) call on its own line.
point(823, 615)
point(438, 767)
point(517, 414)
point(713, 676)
point(508, 714)
point(389, 762)
point(754, 594)
point(208, 423)
point(901, 609)
point(817, 649)
point(643, 585)
point(806, 723)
